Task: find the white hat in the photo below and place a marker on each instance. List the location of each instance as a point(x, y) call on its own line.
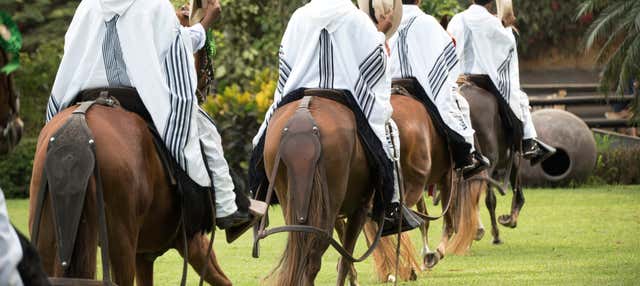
point(377, 8)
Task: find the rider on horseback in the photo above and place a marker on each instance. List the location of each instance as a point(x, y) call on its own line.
point(423, 50)
point(330, 44)
point(140, 44)
point(488, 54)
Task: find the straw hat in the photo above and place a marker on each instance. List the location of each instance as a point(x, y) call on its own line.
point(377, 8)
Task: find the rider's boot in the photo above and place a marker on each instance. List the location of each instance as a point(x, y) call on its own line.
point(475, 163)
point(469, 163)
point(536, 151)
point(393, 223)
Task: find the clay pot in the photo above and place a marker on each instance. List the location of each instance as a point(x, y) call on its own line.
point(576, 156)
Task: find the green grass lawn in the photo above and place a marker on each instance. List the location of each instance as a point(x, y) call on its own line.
point(587, 236)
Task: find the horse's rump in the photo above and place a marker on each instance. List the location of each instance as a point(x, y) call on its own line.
point(194, 199)
point(379, 165)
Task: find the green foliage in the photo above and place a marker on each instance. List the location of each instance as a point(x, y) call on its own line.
point(238, 115)
point(546, 24)
point(441, 8)
point(615, 33)
point(618, 166)
point(34, 80)
point(586, 236)
point(15, 169)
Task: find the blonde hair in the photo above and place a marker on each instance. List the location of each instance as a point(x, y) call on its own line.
point(505, 13)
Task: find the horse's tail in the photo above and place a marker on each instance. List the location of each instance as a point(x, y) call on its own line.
point(68, 173)
point(466, 216)
point(307, 200)
point(384, 256)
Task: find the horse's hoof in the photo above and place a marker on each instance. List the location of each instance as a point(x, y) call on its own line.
point(431, 259)
point(479, 234)
point(497, 241)
point(507, 221)
point(354, 283)
point(413, 276)
point(391, 278)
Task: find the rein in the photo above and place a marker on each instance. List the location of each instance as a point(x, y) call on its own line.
point(262, 232)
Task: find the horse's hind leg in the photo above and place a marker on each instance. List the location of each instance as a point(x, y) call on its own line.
point(511, 220)
point(424, 231)
point(490, 201)
point(144, 270)
point(341, 228)
point(122, 252)
point(200, 259)
point(46, 246)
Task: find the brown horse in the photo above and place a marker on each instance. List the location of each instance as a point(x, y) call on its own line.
point(10, 123)
point(337, 183)
point(143, 217)
point(494, 142)
point(425, 162)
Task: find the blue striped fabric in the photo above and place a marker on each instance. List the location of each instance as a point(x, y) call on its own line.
point(182, 96)
point(440, 70)
point(372, 69)
point(112, 56)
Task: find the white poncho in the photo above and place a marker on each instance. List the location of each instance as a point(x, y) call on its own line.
point(331, 44)
point(424, 50)
point(157, 53)
point(486, 47)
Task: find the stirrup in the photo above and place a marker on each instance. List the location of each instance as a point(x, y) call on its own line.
point(409, 221)
point(480, 163)
point(544, 152)
point(257, 209)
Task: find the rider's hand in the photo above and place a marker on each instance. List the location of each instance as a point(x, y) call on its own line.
point(385, 22)
point(212, 12)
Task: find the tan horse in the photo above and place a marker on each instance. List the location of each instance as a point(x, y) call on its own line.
point(425, 162)
point(142, 214)
point(338, 184)
point(10, 123)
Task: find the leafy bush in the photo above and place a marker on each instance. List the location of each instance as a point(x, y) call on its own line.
point(618, 166)
point(34, 80)
point(238, 115)
point(15, 169)
point(441, 8)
